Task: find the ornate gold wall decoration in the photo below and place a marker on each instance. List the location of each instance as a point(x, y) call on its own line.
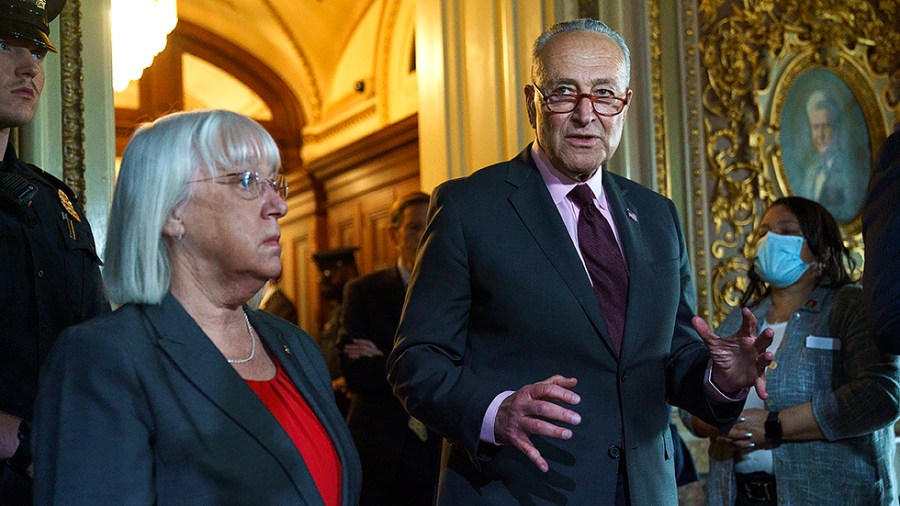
point(752, 53)
point(659, 126)
point(72, 98)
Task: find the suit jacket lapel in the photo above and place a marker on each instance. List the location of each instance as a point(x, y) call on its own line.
point(321, 402)
point(200, 361)
point(629, 228)
point(536, 209)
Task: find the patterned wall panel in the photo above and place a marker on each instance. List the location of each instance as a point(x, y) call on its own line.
point(759, 61)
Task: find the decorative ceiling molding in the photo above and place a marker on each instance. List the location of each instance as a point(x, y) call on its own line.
point(385, 55)
point(315, 94)
point(316, 138)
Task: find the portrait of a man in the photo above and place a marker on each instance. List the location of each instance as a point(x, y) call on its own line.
point(825, 144)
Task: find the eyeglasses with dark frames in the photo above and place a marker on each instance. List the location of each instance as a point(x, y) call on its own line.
point(250, 184)
point(604, 105)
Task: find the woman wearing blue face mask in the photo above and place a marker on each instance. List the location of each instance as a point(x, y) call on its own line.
point(824, 435)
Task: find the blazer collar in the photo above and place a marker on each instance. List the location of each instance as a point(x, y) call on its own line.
point(320, 401)
point(535, 207)
point(819, 298)
point(182, 340)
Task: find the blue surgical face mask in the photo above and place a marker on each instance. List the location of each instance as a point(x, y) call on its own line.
point(778, 259)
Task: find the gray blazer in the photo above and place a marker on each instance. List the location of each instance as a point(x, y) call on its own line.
point(855, 394)
point(139, 407)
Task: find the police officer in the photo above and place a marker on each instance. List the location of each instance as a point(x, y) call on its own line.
point(49, 268)
point(337, 267)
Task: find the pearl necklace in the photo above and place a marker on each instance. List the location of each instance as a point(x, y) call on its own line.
point(252, 345)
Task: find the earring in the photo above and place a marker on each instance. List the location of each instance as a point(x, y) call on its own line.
point(180, 238)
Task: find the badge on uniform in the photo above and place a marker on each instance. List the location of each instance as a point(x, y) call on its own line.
point(67, 205)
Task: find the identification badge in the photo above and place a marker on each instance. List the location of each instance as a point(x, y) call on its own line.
point(823, 343)
point(67, 205)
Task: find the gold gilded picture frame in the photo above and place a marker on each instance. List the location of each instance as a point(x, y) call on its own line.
point(821, 126)
point(749, 58)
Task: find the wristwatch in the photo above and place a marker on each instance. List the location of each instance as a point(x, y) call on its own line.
point(21, 460)
point(773, 429)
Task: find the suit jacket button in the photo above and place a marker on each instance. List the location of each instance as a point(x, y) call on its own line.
point(613, 452)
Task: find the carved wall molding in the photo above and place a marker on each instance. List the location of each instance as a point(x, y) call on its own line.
point(747, 49)
point(659, 126)
point(697, 196)
point(342, 126)
point(383, 66)
point(72, 90)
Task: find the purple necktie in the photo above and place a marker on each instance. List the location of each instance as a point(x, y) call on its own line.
point(604, 263)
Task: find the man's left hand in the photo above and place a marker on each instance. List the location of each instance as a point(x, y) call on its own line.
point(739, 361)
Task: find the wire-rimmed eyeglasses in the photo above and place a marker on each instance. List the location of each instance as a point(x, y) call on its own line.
point(250, 184)
point(604, 105)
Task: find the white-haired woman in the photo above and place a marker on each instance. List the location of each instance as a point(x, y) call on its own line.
point(184, 395)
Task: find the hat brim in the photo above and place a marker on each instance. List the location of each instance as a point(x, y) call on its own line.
point(27, 33)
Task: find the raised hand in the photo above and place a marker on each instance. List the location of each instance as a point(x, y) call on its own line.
point(740, 360)
point(532, 409)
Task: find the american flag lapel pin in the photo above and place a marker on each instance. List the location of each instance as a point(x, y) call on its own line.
point(632, 215)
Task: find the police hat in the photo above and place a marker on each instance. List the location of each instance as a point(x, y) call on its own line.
point(29, 20)
point(335, 257)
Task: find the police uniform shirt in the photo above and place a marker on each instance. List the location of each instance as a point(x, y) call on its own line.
point(50, 279)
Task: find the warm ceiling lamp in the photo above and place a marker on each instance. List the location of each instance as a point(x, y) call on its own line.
point(139, 31)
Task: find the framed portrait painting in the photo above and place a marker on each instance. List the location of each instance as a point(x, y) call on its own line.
point(829, 126)
point(825, 143)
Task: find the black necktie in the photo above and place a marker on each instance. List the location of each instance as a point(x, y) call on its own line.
point(604, 262)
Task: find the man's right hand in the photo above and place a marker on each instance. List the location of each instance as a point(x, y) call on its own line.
point(360, 348)
point(533, 409)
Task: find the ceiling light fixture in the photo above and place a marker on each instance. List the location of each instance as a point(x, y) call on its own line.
point(139, 31)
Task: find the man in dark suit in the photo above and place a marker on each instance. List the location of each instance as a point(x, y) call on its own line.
point(881, 232)
point(399, 454)
point(547, 371)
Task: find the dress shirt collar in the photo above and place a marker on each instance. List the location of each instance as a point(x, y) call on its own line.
point(560, 185)
point(404, 272)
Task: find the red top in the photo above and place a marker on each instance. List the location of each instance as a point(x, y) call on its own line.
point(306, 431)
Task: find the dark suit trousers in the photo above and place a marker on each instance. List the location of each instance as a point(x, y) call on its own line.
point(622, 497)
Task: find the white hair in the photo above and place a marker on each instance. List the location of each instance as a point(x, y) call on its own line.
point(160, 160)
point(821, 101)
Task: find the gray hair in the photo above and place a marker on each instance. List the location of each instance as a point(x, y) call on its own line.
point(160, 160)
point(583, 24)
